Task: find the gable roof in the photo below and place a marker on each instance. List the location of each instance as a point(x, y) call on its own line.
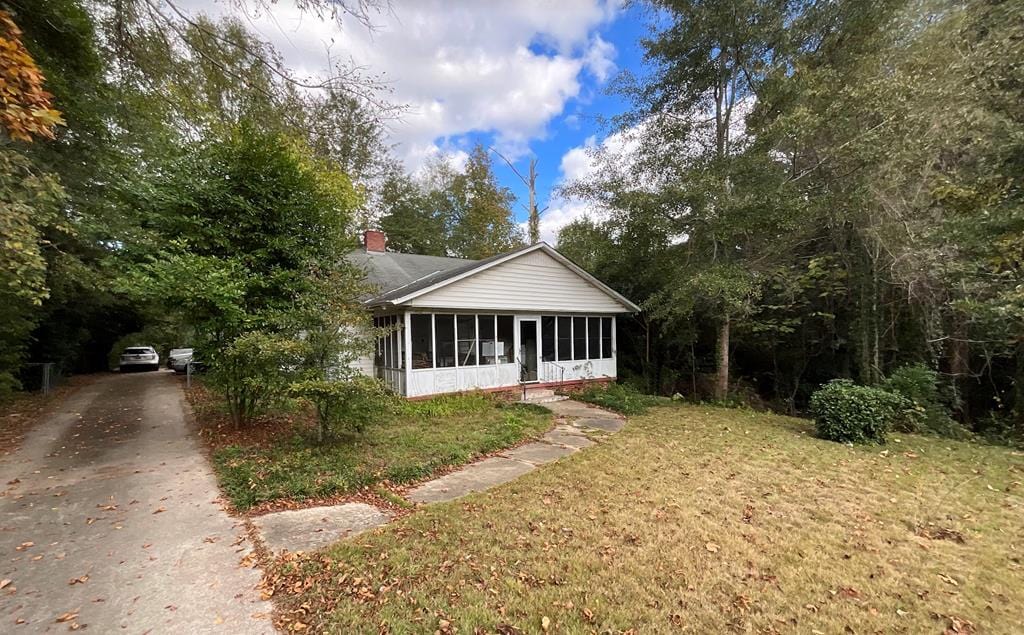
point(403, 277)
point(389, 270)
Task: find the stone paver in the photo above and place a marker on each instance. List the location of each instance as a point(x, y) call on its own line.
point(572, 408)
point(538, 453)
point(475, 477)
point(606, 424)
point(316, 527)
point(568, 436)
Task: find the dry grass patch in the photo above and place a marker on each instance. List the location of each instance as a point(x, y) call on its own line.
point(698, 520)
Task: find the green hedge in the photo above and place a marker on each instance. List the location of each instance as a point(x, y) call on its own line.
point(848, 413)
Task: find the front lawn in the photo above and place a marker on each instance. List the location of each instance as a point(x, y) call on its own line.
point(695, 519)
point(418, 440)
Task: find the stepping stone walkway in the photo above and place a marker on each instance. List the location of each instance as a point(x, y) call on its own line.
point(317, 527)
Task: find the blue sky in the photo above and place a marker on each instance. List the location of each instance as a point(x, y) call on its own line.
point(584, 117)
point(527, 77)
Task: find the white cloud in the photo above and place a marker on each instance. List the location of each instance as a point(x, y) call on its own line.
point(598, 58)
point(461, 66)
point(578, 164)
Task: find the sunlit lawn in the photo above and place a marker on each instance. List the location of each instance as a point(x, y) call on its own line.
point(698, 520)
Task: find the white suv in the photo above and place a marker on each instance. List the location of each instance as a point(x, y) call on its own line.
point(139, 358)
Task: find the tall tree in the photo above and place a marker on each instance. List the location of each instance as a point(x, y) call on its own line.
point(252, 214)
point(412, 219)
point(482, 223)
point(707, 63)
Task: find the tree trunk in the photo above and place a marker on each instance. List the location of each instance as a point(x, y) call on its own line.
point(865, 337)
point(959, 366)
point(534, 220)
point(876, 345)
point(722, 376)
point(1018, 397)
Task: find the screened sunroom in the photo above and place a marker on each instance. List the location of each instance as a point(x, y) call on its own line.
point(529, 317)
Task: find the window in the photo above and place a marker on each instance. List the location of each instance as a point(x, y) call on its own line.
point(506, 340)
point(378, 349)
point(606, 337)
point(396, 341)
point(422, 340)
point(487, 343)
point(387, 352)
point(579, 337)
point(547, 338)
point(564, 338)
point(594, 338)
point(466, 330)
point(444, 326)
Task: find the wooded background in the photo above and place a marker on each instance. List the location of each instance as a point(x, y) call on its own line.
point(800, 191)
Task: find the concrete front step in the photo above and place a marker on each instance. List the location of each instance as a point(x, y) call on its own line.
point(541, 395)
point(550, 399)
point(539, 392)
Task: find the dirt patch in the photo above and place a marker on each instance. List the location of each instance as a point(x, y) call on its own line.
point(19, 416)
point(214, 428)
point(932, 532)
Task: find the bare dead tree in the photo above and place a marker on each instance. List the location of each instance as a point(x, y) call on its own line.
point(530, 181)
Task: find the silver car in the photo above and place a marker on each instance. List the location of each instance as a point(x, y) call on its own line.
point(178, 359)
point(139, 358)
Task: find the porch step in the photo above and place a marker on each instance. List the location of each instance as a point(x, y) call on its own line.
point(541, 395)
point(551, 399)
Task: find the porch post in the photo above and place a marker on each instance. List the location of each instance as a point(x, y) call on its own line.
point(407, 353)
point(615, 347)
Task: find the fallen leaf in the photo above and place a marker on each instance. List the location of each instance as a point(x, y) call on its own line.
point(23, 546)
point(79, 580)
point(712, 547)
point(160, 509)
point(67, 617)
point(4, 582)
point(545, 623)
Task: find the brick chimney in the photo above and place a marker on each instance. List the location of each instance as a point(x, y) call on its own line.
point(374, 240)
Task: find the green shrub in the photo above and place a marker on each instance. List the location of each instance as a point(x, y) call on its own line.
point(347, 405)
point(848, 413)
point(253, 371)
point(924, 410)
point(621, 398)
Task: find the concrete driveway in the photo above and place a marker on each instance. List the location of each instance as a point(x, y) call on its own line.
point(109, 520)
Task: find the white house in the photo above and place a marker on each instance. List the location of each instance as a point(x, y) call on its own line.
point(529, 317)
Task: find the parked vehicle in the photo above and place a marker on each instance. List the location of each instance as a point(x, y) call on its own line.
point(178, 359)
point(139, 358)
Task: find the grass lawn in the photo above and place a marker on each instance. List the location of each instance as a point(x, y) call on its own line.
point(419, 440)
point(695, 519)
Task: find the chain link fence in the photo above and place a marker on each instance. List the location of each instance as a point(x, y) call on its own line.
point(41, 377)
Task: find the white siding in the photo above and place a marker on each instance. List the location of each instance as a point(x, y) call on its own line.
point(434, 381)
point(363, 365)
point(573, 371)
point(532, 282)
